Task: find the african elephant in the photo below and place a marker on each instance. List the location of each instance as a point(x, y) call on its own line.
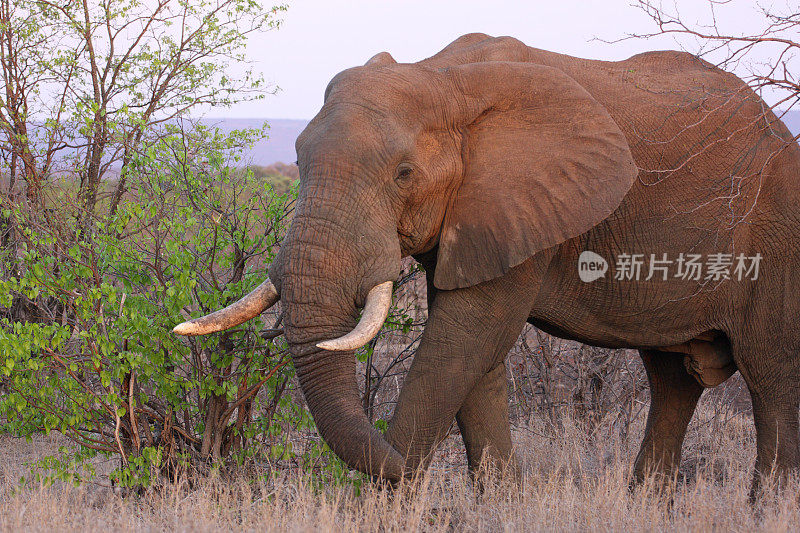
point(497, 166)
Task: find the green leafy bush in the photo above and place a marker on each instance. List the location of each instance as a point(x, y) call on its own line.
point(95, 358)
point(115, 226)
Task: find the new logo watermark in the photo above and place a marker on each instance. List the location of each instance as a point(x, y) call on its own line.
point(591, 266)
point(693, 267)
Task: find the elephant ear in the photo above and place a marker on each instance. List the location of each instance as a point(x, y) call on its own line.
point(543, 162)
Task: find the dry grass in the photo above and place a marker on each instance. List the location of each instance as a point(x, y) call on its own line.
point(576, 480)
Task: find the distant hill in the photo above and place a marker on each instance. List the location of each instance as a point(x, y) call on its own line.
point(280, 175)
point(277, 148)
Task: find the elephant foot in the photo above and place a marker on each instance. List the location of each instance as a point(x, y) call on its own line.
point(493, 470)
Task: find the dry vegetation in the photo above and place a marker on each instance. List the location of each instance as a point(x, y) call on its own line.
point(578, 415)
point(576, 478)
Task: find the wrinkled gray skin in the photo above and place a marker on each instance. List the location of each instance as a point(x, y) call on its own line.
point(494, 165)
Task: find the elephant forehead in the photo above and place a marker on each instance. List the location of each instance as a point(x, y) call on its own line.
point(354, 129)
point(384, 80)
point(406, 90)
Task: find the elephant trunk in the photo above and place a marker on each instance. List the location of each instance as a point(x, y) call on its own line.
point(320, 291)
point(328, 383)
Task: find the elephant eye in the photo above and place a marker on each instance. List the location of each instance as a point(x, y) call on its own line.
point(404, 172)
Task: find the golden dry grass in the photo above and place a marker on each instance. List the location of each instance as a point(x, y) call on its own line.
point(576, 479)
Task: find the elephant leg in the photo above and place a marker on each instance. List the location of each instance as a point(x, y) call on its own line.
point(777, 447)
point(484, 424)
point(772, 381)
point(673, 397)
point(469, 332)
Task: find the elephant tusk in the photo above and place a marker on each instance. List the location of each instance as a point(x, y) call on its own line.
point(376, 309)
point(250, 306)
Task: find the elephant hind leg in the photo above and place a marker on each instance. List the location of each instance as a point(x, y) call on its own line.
point(772, 378)
point(674, 394)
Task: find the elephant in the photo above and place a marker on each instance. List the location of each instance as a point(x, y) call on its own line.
point(499, 167)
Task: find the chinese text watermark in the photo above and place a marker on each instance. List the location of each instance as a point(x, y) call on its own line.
point(684, 266)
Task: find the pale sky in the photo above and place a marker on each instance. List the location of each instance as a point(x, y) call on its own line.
point(322, 37)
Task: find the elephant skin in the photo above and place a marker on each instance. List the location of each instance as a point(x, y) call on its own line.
point(496, 165)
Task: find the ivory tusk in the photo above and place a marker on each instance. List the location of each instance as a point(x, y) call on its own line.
point(250, 306)
point(376, 309)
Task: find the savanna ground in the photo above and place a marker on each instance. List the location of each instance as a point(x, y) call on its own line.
point(576, 479)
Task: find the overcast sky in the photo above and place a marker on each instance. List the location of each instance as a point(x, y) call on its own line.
point(319, 38)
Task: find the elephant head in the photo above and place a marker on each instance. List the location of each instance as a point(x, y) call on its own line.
point(485, 163)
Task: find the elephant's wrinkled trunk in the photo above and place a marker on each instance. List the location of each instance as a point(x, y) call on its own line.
point(328, 383)
point(320, 288)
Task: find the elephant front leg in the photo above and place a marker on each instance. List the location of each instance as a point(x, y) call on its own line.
point(468, 334)
point(484, 424)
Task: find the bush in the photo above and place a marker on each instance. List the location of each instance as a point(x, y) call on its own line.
point(94, 357)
